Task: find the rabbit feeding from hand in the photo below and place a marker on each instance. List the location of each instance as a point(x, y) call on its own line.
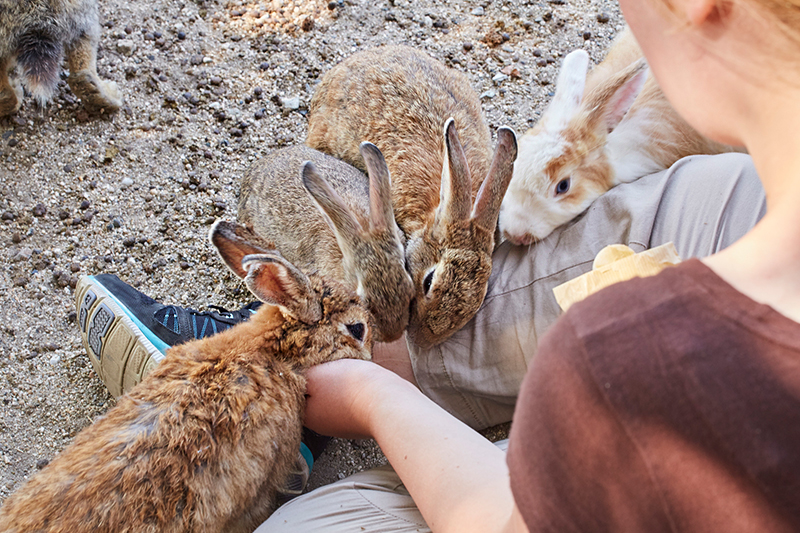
point(352, 237)
point(614, 127)
point(206, 441)
point(446, 186)
point(34, 37)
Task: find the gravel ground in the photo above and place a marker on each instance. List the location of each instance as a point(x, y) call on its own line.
point(209, 87)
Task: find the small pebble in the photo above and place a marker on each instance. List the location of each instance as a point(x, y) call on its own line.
point(181, 35)
point(587, 35)
point(127, 182)
point(467, 46)
point(7, 215)
point(603, 17)
point(479, 11)
point(13, 141)
point(39, 210)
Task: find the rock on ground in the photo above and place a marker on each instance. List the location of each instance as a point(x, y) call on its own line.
point(209, 87)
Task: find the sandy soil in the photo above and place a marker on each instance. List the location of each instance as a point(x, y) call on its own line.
point(209, 86)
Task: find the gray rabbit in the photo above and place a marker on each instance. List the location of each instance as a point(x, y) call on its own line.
point(352, 237)
point(35, 35)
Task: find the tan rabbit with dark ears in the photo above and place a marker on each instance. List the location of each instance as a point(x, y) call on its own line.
point(327, 217)
point(35, 35)
point(206, 441)
point(445, 196)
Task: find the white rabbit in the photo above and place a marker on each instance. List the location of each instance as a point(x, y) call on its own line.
point(614, 127)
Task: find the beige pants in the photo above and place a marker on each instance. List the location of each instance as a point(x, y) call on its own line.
point(702, 204)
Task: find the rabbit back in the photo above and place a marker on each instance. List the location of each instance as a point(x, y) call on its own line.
point(189, 449)
point(399, 99)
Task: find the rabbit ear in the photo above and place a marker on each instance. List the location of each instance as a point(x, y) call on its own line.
point(234, 242)
point(493, 188)
point(569, 91)
point(455, 194)
point(381, 213)
point(276, 281)
point(339, 217)
point(609, 102)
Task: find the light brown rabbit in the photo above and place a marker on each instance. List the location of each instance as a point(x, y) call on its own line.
point(34, 37)
point(208, 438)
point(355, 241)
point(446, 188)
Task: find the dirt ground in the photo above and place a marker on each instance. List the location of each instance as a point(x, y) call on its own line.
point(209, 87)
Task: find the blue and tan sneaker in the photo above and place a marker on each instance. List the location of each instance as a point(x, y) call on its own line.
point(127, 333)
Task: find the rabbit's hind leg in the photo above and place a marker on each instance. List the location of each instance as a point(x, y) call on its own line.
point(97, 95)
point(10, 94)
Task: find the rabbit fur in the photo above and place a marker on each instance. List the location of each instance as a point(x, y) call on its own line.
point(35, 35)
point(446, 186)
point(611, 128)
point(352, 237)
point(205, 442)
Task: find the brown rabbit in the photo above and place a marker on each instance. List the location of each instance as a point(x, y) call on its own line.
point(208, 438)
point(355, 241)
point(446, 192)
point(34, 37)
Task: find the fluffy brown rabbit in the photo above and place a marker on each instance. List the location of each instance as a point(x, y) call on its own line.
point(356, 241)
point(446, 188)
point(208, 438)
point(34, 37)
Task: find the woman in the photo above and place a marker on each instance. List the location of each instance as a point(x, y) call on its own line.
point(667, 403)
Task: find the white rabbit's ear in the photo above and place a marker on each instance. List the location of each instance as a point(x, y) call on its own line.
point(233, 242)
point(455, 193)
point(569, 91)
point(609, 102)
point(275, 281)
point(381, 213)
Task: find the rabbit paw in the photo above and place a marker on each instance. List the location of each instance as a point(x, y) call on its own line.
point(10, 100)
point(97, 95)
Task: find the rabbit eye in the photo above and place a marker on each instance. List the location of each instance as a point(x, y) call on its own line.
point(563, 186)
point(426, 283)
point(356, 330)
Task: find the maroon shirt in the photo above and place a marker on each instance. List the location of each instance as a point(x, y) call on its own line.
point(669, 403)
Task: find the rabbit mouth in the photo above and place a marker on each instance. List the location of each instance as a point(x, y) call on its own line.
point(520, 240)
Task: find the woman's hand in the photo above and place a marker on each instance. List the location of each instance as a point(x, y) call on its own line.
point(342, 396)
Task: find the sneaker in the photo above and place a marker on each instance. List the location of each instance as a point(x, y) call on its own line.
point(127, 333)
point(311, 447)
